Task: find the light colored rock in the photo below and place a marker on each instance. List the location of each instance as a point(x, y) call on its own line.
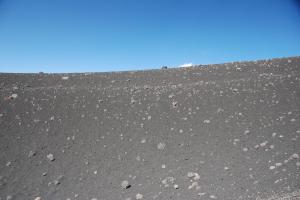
point(138, 196)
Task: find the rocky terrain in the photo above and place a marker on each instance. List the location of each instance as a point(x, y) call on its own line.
point(228, 131)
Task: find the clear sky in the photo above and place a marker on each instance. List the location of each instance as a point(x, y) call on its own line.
point(114, 35)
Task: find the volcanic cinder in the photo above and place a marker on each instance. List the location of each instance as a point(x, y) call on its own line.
point(227, 131)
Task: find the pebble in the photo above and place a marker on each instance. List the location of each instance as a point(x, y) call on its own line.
point(9, 197)
point(50, 157)
point(38, 198)
point(8, 164)
point(31, 154)
point(193, 175)
point(175, 104)
point(143, 141)
point(14, 96)
point(161, 146)
point(168, 180)
point(138, 196)
point(295, 156)
point(125, 184)
point(58, 180)
point(207, 121)
point(194, 184)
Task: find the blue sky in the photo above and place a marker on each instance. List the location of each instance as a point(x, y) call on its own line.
point(117, 35)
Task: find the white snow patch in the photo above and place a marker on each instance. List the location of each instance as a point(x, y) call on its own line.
point(186, 65)
point(65, 78)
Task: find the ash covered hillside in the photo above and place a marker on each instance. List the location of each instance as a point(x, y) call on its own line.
point(228, 131)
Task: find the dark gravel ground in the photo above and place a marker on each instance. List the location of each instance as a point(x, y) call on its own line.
point(228, 131)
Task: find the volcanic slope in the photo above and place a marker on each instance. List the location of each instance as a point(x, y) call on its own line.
point(227, 131)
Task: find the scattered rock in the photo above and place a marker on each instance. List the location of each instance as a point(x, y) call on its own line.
point(9, 197)
point(161, 146)
point(193, 175)
point(143, 141)
point(295, 156)
point(138, 196)
point(193, 185)
point(175, 104)
point(125, 184)
point(207, 121)
point(50, 157)
point(168, 180)
point(8, 164)
point(13, 96)
point(57, 181)
point(31, 154)
point(38, 198)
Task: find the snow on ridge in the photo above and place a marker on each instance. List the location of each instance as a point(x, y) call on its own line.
point(186, 65)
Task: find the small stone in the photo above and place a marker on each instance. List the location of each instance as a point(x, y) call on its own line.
point(38, 198)
point(207, 121)
point(125, 184)
point(14, 96)
point(31, 154)
point(58, 180)
point(194, 184)
point(272, 167)
point(138, 196)
point(8, 164)
point(190, 174)
point(9, 197)
point(176, 186)
point(50, 157)
point(143, 141)
point(161, 146)
point(175, 104)
point(263, 143)
point(295, 156)
point(193, 175)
